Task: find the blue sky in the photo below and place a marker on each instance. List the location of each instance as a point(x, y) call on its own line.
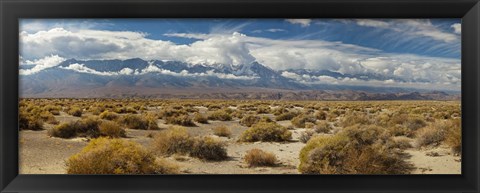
point(409, 49)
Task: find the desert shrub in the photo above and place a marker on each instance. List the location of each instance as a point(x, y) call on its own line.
point(88, 127)
point(351, 152)
point(279, 111)
point(75, 111)
point(107, 115)
point(263, 109)
point(125, 110)
point(111, 129)
point(249, 120)
point(431, 135)
point(64, 130)
point(415, 123)
point(398, 130)
point(266, 131)
point(48, 117)
point(174, 140)
point(28, 122)
point(258, 157)
point(306, 135)
point(300, 120)
point(198, 117)
point(286, 116)
point(454, 136)
point(171, 112)
point(321, 115)
point(220, 115)
point(355, 118)
point(208, 148)
point(322, 127)
point(222, 131)
point(183, 120)
point(116, 156)
point(401, 142)
point(138, 122)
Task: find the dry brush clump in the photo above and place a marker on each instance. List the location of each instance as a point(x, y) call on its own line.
point(183, 120)
point(358, 149)
point(107, 115)
point(176, 140)
point(116, 156)
point(266, 131)
point(222, 131)
point(286, 116)
point(88, 127)
point(249, 120)
point(75, 111)
point(220, 115)
point(302, 119)
point(27, 121)
point(208, 148)
point(198, 117)
point(148, 122)
point(257, 157)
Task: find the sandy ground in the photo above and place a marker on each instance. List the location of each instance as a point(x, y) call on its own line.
point(40, 154)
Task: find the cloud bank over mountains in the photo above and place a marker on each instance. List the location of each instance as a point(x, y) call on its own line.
point(47, 48)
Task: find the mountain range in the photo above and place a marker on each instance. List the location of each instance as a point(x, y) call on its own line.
point(174, 79)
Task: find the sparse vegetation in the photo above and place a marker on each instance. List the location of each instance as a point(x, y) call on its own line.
point(258, 157)
point(265, 131)
point(222, 131)
point(207, 148)
point(116, 156)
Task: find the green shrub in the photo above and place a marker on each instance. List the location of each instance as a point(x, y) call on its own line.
point(116, 156)
point(198, 117)
point(175, 140)
point(266, 131)
point(208, 148)
point(257, 157)
point(222, 131)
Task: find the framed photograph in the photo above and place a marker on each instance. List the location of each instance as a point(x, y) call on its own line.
point(239, 96)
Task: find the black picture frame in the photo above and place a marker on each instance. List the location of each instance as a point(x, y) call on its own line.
point(12, 10)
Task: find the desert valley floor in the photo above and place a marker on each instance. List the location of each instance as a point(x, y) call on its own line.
point(42, 153)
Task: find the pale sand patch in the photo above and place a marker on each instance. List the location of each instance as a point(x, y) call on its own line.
point(443, 163)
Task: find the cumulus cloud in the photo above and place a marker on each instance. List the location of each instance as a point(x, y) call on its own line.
point(153, 69)
point(41, 64)
point(302, 22)
point(457, 28)
point(234, 49)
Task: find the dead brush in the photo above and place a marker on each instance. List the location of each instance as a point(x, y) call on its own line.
point(257, 158)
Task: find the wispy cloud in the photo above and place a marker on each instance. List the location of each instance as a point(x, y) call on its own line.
point(302, 22)
point(457, 28)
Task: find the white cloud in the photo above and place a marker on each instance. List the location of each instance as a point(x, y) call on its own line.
point(457, 28)
point(235, 48)
point(272, 30)
point(41, 64)
point(372, 23)
point(154, 69)
point(412, 27)
point(302, 22)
